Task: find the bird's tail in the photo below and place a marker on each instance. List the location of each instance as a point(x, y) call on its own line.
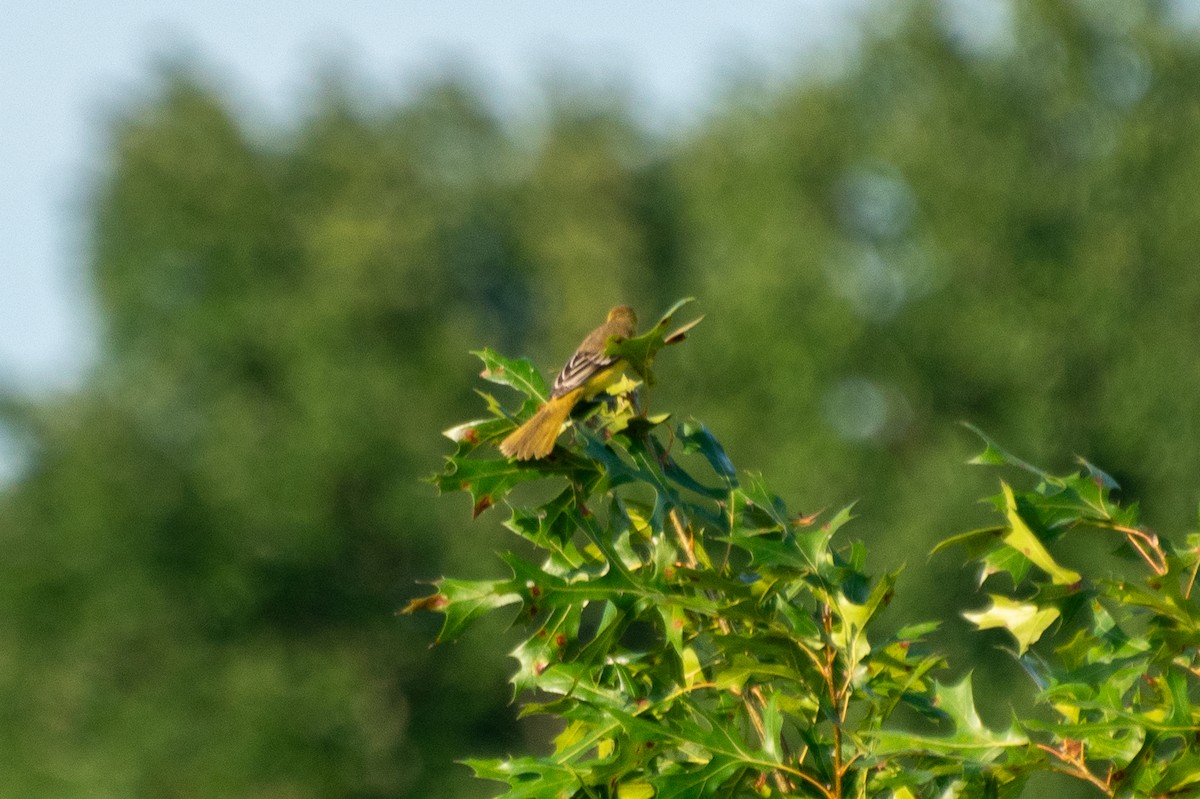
point(536, 437)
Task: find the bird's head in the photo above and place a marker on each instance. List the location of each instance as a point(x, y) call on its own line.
point(624, 317)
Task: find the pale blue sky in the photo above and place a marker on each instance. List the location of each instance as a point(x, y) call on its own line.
point(63, 62)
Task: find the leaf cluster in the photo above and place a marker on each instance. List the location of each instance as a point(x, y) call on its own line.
point(695, 637)
point(1116, 661)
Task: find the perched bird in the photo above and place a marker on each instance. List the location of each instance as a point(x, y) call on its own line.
point(588, 372)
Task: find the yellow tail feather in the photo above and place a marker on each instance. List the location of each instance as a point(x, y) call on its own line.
point(536, 437)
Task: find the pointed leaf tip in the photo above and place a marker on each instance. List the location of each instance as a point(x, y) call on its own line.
point(1025, 621)
point(517, 373)
point(680, 333)
point(467, 431)
point(434, 602)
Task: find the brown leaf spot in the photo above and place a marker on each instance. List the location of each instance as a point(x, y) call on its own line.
point(433, 602)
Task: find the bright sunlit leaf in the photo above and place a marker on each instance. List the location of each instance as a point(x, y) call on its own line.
point(1024, 620)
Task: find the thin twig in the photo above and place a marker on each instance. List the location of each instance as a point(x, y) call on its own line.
point(1078, 768)
point(685, 542)
point(834, 697)
point(1187, 594)
point(1157, 564)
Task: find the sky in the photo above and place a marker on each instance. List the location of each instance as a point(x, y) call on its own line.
point(67, 63)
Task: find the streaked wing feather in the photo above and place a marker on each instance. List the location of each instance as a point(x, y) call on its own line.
point(579, 369)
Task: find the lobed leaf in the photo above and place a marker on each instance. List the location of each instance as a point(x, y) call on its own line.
point(516, 373)
point(463, 601)
point(1025, 620)
point(488, 481)
point(1023, 540)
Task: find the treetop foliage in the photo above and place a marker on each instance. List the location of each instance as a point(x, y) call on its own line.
point(695, 638)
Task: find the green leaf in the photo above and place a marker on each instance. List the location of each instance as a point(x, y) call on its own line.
point(672, 470)
point(1181, 706)
point(463, 601)
point(916, 630)
point(772, 720)
point(762, 507)
point(970, 737)
point(1161, 599)
point(518, 373)
point(693, 672)
point(674, 621)
point(550, 527)
point(746, 668)
point(578, 681)
point(1182, 773)
point(487, 480)
point(850, 634)
point(1003, 560)
point(770, 552)
point(697, 438)
point(838, 521)
point(1024, 620)
point(995, 455)
point(547, 646)
point(684, 782)
point(977, 542)
point(1021, 538)
point(478, 431)
point(528, 777)
point(635, 790)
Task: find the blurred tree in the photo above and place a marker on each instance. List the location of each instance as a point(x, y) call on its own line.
point(212, 539)
point(969, 218)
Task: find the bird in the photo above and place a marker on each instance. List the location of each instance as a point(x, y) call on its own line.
point(587, 373)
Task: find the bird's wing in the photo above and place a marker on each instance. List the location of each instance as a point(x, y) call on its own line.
point(582, 366)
